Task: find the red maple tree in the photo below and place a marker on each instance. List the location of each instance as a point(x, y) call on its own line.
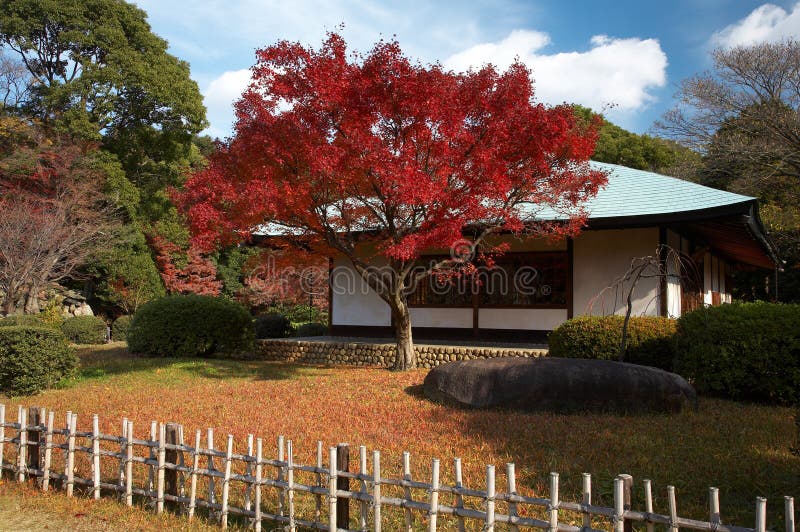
point(198, 276)
point(345, 152)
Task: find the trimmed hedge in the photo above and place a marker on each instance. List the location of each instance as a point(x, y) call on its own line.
point(190, 325)
point(33, 359)
point(599, 337)
point(84, 330)
point(742, 351)
point(24, 320)
point(119, 329)
point(272, 325)
point(311, 329)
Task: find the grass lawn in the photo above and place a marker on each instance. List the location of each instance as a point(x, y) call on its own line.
point(740, 448)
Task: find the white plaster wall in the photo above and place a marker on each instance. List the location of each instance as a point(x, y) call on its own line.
point(535, 319)
point(441, 317)
point(602, 256)
point(673, 280)
point(353, 302)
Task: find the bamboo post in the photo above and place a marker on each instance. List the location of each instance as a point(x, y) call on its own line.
point(490, 493)
point(627, 486)
point(193, 474)
point(72, 426)
point(212, 494)
point(248, 471)
point(673, 509)
point(407, 490)
point(153, 456)
point(434, 497)
point(318, 498)
point(129, 464)
point(2, 436)
point(95, 456)
point(172, 456)
point(459, 497)
point(586, 500)
point(343, 483)
point(619, 505)
point(376, 490)
point(122, 457)
point(33, 451)
point(162, 458)
point(281, 458)
point(362, 470)
point(511, 477)
point(290, 484)
point(713, 506)
point(259, 451)
point(761, 514)
point(332, 485)
point(48, 450)
point(554, 502)
point(226, 481)
point(22, 446)
point(788, 503)
point(648, 503)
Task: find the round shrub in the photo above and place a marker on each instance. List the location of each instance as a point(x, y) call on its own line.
point(84, 330)
point(742, 351)
point(272, 325)
point(190, 325)
point(119, 329)
point(599, 337)
point(33, 359)
point(311, 329)
point(23, 320)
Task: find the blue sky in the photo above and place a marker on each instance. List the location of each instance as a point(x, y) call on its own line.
point(625, 57)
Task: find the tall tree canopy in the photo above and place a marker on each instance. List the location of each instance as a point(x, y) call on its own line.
point(328, 145)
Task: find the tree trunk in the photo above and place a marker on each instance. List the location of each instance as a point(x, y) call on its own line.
point(406, 357)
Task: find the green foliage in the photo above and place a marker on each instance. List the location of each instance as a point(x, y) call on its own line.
point(84, 330)
point(300, 313)
point(119, 329)
point(599, 337)
point(272, 325)
point(24, 320)
point(33, 359)
point(311, 329)
point(230, 264)
point(191, 325)
point(742, 351)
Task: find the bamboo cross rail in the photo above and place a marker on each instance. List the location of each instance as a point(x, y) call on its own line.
point(252, 489)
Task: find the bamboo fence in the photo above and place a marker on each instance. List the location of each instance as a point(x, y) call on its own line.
point(162, 471)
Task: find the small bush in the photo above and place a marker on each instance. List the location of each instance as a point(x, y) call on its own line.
point(24, 320)
point(311, 329)
point(33, 359)
point(272, 325)
point(299, 313)
point(119, 329)
point(190, 325)
point(599, 337)
point(742, 351)
point(84, 330)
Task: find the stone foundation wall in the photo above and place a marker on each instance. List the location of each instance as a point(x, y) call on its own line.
point(363, 354)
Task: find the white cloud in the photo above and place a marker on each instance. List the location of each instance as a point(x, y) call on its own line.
point(219, 97)
point(767, 23)
point(618, 72)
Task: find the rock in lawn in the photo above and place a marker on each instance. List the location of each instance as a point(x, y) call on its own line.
point(559, 384)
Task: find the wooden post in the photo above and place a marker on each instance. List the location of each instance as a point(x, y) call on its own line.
point(490, 493)
point(459, 497)
point(72, 426)
point(95, 456)
point(761, 514)
point(33, 451)
point(511, 477)
point(193, 474)
point(332, 487)
point(257, 503)
point(48, 450)
point(554, 502)
point(2, 436)
point(788, 503)
point(129, 464)
point(172, 456)
point(281, 458)
point(122, 457)
point(226, 481)
point(434, 497)
point(407, 491)
point(343, 483)
point(713, 506)
point(212, 494)
point(376, 490)
point(648, 503)
point(362, 470)
point(248, 471)
point(162, 458)
point(22, 447)
point(619, 505)
point(586, 500)
point(627, 486)
point(673, 509)
point(318, 498)
point(290, 484)
point(153, 456)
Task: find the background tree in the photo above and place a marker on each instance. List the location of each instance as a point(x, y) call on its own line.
point(744, 117)
point(332, 148)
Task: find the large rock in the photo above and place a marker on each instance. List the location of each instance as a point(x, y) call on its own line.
point(559, 384)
